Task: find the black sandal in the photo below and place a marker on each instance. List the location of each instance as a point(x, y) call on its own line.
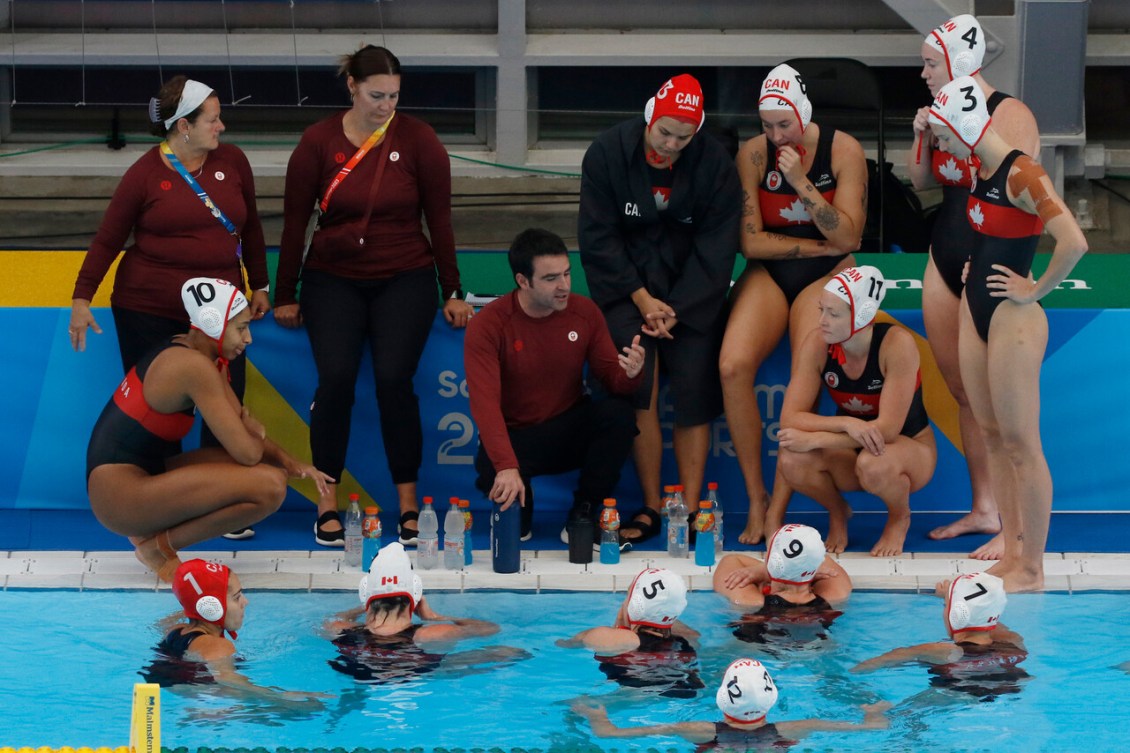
point(329, 538)
point(648, 530)
point(408, 517)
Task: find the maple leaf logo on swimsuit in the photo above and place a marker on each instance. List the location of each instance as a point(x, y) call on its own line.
point(662, 198)
point(976, 216)
point(855, 405)
point(950, 171)
point(796, 212)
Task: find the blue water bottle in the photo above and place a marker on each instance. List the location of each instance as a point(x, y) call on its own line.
point(370, 537)
point(465, 505)
point(506, 537)
point(704, 541)
point(609, 534)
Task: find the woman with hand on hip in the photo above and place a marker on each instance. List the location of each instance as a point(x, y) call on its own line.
point(370, 272)
point(804, 203)
point(957, 48)
point(1004, 331)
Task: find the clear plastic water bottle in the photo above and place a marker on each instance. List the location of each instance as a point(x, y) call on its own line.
point(454, 534)
point(677, 531)
point(719, 536)
point(704, 541)
point(353, 532)
point(427, 548)
point(465, 507)
point(665, 508)
point(370, 537)
point(609, 533)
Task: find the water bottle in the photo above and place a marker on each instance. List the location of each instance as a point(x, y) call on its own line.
point(677, 531)
point(465, 507)
point(371, 536)
point(506, 537)
point(609, 533)
point(712, 495)
point(427, 548)
point(353, 532)
point(454, 533)
point(704, 541)
point(665, 509)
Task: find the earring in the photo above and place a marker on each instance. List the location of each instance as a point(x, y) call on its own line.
point(186, 138)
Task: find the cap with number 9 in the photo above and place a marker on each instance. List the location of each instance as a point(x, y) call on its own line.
point(795, 554)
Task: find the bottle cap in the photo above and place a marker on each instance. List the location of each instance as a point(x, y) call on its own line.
point(712, 486)
point(704, 504)
point(678, 487)
point(464, 503)
point(609, 502)
point(354, 497)
point(371, 510)
point(453, 500)
point(427, 500)
point(669, 489)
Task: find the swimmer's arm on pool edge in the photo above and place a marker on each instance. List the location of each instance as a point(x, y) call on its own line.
point(939, 652)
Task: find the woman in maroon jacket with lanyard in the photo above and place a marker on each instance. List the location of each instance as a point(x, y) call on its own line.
point(370, 272)
point(175, 234)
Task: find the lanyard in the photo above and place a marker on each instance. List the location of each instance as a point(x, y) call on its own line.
point(361, 152)
point(203, 196)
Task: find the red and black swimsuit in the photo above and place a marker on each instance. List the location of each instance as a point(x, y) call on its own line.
point(130, 431)
point(783, 212)
point(1005, 235)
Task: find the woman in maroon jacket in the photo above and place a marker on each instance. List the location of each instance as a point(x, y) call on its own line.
point(176, 235)
point(369, 274)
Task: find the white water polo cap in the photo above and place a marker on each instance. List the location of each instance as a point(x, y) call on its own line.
point(211, 304)
point(390, 574)
point(975, 602)
point(795, 554)
point(784, 89)
point(680, 98)
point(747, 692)
point(962, 43)
point(656, 598)
point(961, 107)
point(863, 288)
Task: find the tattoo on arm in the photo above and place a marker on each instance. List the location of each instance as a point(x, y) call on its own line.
point(758, 159)
point(827, 218)
point(747, 204)
point(750, 229)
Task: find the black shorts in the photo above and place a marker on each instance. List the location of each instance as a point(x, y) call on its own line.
point(690, 361)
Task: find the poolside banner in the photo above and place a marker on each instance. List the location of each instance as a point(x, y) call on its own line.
point(51, 396)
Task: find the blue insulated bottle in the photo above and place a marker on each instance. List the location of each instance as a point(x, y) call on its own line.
point(505, 537)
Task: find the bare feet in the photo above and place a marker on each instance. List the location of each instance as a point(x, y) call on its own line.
point(993, 549)
point(837, 539)
point(894, 536)
point(157, 555)
point(755, 528)
point(1021, 580)
point(972, 522)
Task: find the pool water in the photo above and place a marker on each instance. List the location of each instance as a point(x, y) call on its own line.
point(68, 662)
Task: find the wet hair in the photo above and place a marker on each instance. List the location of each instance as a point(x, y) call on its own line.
point(530, 244)
point(167, 100)
point(369, 61)
point(389, 606)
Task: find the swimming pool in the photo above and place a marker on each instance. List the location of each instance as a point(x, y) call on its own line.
point(68, 661)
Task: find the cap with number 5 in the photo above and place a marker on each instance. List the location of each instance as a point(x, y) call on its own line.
point(795, 554)
point(656, 598)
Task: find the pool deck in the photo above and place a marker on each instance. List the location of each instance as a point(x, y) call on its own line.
point(69, 549)
point(547, 570)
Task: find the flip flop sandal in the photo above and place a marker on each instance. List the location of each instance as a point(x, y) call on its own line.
point(408, 537)
point(648, 530)
point(329, 538)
